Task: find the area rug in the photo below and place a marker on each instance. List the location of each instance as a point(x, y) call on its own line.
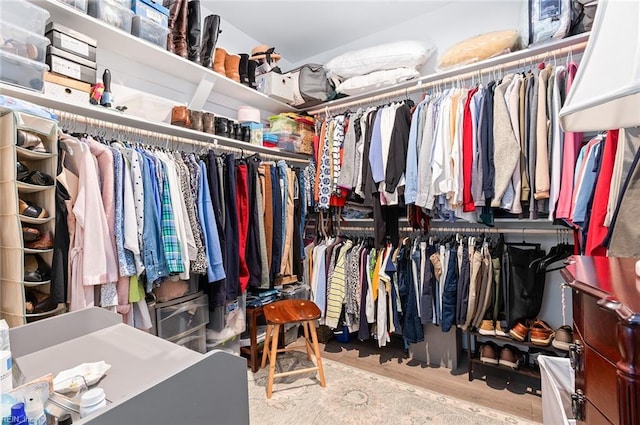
point(353, 396)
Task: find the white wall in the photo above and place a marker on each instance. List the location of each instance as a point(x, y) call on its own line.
point(442, 28)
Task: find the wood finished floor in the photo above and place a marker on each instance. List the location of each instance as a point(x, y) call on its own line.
point(492, 391)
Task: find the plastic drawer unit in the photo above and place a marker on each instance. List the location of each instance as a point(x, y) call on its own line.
point(182, 317)
point(147, 29)
point(111, 12)
point(195, 340)
point(16, 40)
point(25, 15)
point(21, 72)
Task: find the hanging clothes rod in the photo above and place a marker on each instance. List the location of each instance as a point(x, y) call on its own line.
point(520, 58)
point(566, 232)
point(79, 123)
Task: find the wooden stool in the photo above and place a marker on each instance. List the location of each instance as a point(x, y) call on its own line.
point(284, 312)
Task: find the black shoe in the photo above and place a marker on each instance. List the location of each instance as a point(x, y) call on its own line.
point(244, 69)
point(210, 32)
point(193, 30)
point(251, 72)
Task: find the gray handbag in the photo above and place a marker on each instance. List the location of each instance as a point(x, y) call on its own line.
point(310, 85)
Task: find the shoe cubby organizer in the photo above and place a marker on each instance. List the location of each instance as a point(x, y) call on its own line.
point(12, 191)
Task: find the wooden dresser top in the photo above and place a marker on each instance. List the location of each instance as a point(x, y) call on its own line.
point(612, 280)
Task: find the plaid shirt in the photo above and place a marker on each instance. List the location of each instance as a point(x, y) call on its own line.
point(170, 242)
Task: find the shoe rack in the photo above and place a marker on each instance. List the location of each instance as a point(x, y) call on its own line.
point(12, 245)
point(526, 368)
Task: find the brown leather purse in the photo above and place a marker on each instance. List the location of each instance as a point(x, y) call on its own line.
point(180, 116)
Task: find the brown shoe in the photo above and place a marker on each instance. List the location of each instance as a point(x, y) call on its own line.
point(180, 116)
point(44, 242)
point(29, 209)
point(510, 356)
point(487, 328)
point(541, 333)
point(232, 67)
point(37, 302)
point(519, 331)
point(196, 120)
point(207, 122)
point(30, 234)
point(219, 59)
point(564, 337)
point(489, 353)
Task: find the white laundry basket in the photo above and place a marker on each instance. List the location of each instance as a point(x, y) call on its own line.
point(558, 383)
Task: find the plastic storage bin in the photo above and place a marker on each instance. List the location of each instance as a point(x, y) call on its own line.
point(25, 15)
point(21, 71)
point(180, 318)
point(148, 30)
point(282, 124)
point(148, 107)
point(288, 141)
point(111, 12)
point(152, 10)
point(26, 44)
point(78, 4)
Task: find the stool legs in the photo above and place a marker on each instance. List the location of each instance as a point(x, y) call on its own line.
point(307, 341)
point(272, 359)
point(316, 348)
point(265, 348)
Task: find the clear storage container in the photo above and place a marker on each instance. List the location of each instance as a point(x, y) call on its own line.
point(179, 319)
point(282, 124)
point(148, 30)
point(22, 72)
point(112, 12)
point(25, 15)
point(151, 9)
point(78, 4)
point(288, 141)
point(16, 40)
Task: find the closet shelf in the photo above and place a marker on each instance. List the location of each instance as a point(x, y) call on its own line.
point(32, 220)
point(32, 188)
point(151, 57)
point(506, 339)
point(520, 57)
point(111, 115)
point(34, 156)
point(37, 251)
point(32, 284)
point(59, 309)
point(524, 370)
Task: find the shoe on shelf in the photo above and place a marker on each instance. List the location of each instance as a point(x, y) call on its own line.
point(45, 241)
point(520, 331)
point(489, 353)
point(30, 141)
point(36, 269)
point(29, 209)
point(30, 234)
point(563, 337)
point(501, 327)
point(487, 328)
point(37, 302)
point(37, 178)
point(510, 356)
point(541, 333)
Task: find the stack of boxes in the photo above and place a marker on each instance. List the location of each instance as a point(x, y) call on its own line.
point(72, 62)
point(151, 21)
point(22, 46)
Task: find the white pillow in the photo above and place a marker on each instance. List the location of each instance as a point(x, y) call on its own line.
point(376, 80)
point(401, 54)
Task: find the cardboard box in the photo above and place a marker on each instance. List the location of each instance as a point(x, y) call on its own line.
point(71, 41)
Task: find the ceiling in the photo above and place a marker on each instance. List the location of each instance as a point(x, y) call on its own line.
point(304, 28)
